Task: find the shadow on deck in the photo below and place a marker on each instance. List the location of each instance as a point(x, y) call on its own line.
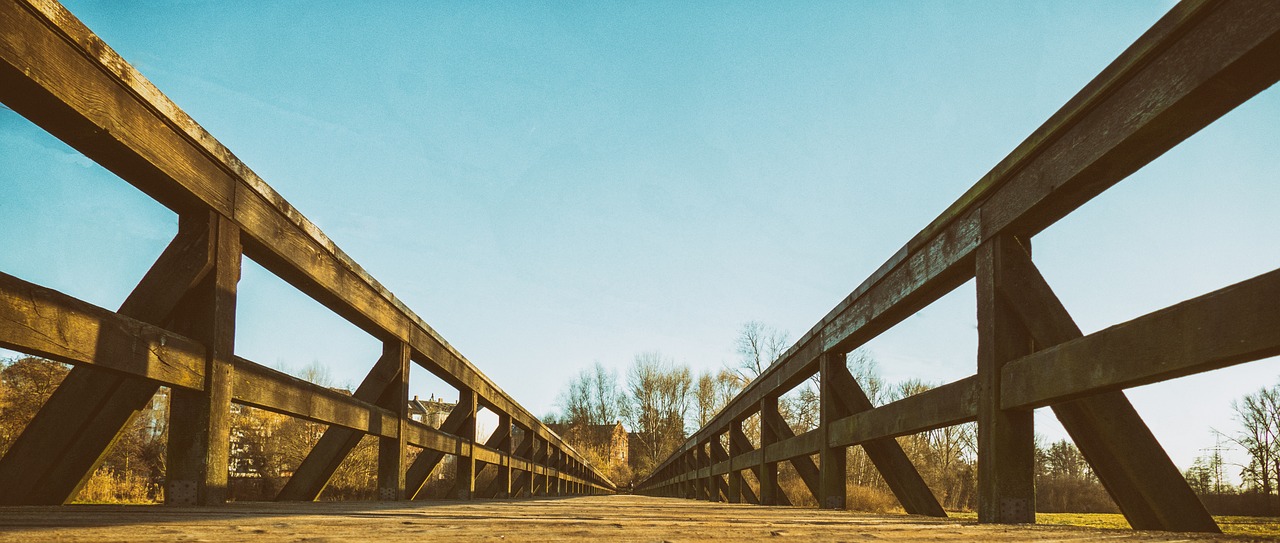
point(595, 518)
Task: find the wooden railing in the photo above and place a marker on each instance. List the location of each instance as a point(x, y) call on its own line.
point(1197, 63)
point(177, 328)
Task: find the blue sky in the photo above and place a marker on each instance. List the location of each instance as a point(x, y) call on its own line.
point(551, 185)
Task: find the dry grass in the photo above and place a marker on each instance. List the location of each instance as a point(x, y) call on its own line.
point(871, 500)
point(1268, 527)
point(1250, 526)
point(108, 486)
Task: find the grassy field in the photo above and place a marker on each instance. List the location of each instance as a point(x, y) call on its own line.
point(1242, 526)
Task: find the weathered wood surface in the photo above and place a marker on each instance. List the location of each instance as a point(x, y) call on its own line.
point(1236, 324)
point(273, 390)
point(1141, 478)
point(1006, 438)
point(58, 74)
point(1197, 63)
point(64, 443)
point(338, 441)
point(589, 519)
point(946, 405)
point(197, 452)
point(793, 448)
point(48, 323)
point(885, 453)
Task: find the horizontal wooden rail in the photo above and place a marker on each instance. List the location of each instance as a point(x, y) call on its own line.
point(276, 391)
point(1240, 323)
point(802, 445)
point(1198, 62)
point(48, 323)
point(58, 74)
point(947, 405)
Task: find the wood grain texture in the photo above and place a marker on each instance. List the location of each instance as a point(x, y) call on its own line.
point(1197, 63)
point(1236, 324)
point(1141, 478)
point(69, 437)
point(1006, 438)
point(47, 323)
point(62, 77)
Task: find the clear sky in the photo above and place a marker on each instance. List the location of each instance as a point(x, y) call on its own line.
point(551, 185)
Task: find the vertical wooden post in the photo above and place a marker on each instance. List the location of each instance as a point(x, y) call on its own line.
point(465, 482)
point(738, 439)
point(553, 471)
point(557, 483)
point(528, 451)
point(1130, 463)
point(695, 466)
point(691, 476)
point(695, 484)
point(548, 471)
point(833, 488)
point(391, 450)
point(538, 477)
point(720, 454)
point(200, 421)
point(735, 464)
point(533, 460)
point(768, 470)
point(561, 488)
point(703, 462)
point(885, 453)
point(503, 479)
point(708, 463)
point(1006, 446)
point(47, 464)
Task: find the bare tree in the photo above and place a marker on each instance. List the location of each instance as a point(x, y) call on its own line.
point(759, 346)
point(1260, 427)
point(606, 397)
point(713, 392)
point(705, 397)
point(866, 371)
point(590, 398)
point(658, 401)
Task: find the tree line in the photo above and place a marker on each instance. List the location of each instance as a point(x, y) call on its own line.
point(265, 447)
point(1257, 436)
point(661, 402)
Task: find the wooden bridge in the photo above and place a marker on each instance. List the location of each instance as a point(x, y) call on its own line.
point(1198, 62)
point(177, 328)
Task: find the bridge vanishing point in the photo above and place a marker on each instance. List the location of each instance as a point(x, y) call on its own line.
point(177, 329)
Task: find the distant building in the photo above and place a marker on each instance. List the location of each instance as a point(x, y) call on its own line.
point(246, 454)
point(431, 412)
point(612, 438)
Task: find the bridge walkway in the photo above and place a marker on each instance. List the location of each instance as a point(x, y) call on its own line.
point(591, 518)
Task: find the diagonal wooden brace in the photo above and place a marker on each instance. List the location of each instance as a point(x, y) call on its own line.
point(1134, 468)
point(320, 464)
point(421, 468)
point(519, 482)
point(886, 454)
point(741, 443)
point(804, 465)
point(71, 434)
point(718, 454)
point(500, 439)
